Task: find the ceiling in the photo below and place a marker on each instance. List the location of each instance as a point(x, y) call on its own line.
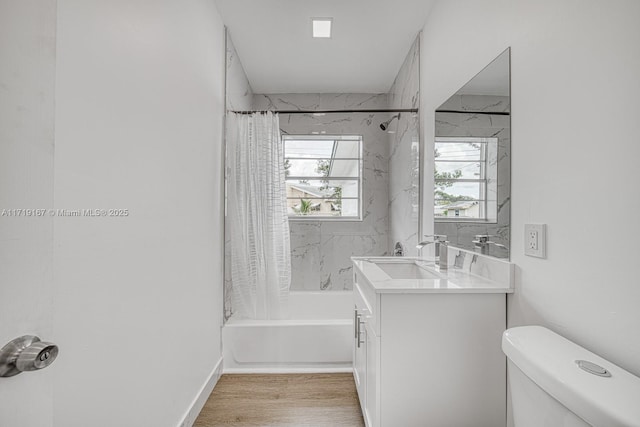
point(369, 43)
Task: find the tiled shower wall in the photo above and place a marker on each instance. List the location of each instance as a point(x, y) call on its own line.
point(404, 156)
point(238, 90)
point(321, 250)
point(461, 234)
point(239, 97)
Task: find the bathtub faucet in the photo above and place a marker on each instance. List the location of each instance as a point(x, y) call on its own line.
point(441, 249)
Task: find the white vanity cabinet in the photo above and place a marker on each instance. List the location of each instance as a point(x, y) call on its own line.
point(429, 356)
point(365, 357)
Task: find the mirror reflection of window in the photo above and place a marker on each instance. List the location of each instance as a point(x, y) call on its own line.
point(465, 183)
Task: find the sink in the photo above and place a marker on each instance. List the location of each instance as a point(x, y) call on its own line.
point(395, 274)
point(406, 270)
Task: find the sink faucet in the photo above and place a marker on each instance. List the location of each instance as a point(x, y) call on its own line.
point(482, 242)
point(441, 249)
point(398, 250)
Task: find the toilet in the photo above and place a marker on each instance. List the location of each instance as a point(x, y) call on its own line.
point(556, 383)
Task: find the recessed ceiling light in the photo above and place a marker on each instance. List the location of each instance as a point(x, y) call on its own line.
point(322, 27)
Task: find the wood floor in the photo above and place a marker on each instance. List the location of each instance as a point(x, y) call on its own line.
point(314, 400)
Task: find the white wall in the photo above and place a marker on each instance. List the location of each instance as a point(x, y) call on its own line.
point(27, 82)
point(575, 68)
point(138, 300)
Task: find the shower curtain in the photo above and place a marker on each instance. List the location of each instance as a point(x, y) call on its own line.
point(257, 216)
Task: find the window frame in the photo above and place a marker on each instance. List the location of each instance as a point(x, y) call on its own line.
point(360, 178)
point(484, 164)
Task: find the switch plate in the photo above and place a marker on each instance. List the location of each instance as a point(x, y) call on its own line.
point(535, 240)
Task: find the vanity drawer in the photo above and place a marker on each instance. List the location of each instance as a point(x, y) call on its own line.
point(366, 304)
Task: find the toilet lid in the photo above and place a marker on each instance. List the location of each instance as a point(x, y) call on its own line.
point(608, 396)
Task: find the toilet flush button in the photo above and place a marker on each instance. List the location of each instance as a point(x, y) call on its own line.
point(592, 368)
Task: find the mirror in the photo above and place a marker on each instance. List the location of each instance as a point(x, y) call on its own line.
point(472, 180)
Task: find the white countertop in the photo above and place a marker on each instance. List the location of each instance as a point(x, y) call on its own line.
point(452, 280)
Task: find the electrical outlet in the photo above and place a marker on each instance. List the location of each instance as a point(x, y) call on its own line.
point(535, 240)
point(532, 240)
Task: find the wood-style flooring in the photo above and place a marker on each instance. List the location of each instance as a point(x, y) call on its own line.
point(283, 400)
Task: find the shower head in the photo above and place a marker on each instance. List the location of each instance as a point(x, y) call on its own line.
point(385, 125)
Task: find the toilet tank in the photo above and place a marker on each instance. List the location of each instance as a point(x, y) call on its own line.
point(549, 388)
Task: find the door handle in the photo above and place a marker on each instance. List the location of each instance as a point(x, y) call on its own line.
point(26, 353)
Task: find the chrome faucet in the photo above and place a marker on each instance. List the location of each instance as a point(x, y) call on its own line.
point(482, 242)
point(441, 249)
point(398, 250)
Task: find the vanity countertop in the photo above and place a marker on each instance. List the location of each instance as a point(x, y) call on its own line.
point(452, 280)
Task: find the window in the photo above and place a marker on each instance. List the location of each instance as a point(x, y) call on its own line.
point(324, 176)
point(465, 180)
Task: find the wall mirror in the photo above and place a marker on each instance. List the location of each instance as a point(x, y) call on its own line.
point(472, 180)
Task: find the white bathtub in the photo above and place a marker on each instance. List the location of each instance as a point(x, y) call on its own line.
point(317, 338)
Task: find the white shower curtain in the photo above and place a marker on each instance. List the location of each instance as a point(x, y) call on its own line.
point(257, 216)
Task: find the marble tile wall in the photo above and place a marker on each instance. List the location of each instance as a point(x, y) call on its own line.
point(238, 90)
point(461, 234)
point(321, 250)
point(489, 267)
point(487, 103)
point(239, 96)
point(404, 158)
point(321, 101)
point(405, 90)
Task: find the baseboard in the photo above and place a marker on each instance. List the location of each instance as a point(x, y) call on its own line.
point(201, 398)
point(286, 370)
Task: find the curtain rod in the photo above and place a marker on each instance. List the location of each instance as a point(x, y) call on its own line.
point(398, 110)
point(495, 113)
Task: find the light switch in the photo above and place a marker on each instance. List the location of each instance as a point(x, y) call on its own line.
point(535, 240)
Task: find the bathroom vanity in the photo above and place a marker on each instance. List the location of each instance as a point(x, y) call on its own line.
point(427, 341)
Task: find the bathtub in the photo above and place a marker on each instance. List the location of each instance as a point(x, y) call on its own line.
point(317, 337)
